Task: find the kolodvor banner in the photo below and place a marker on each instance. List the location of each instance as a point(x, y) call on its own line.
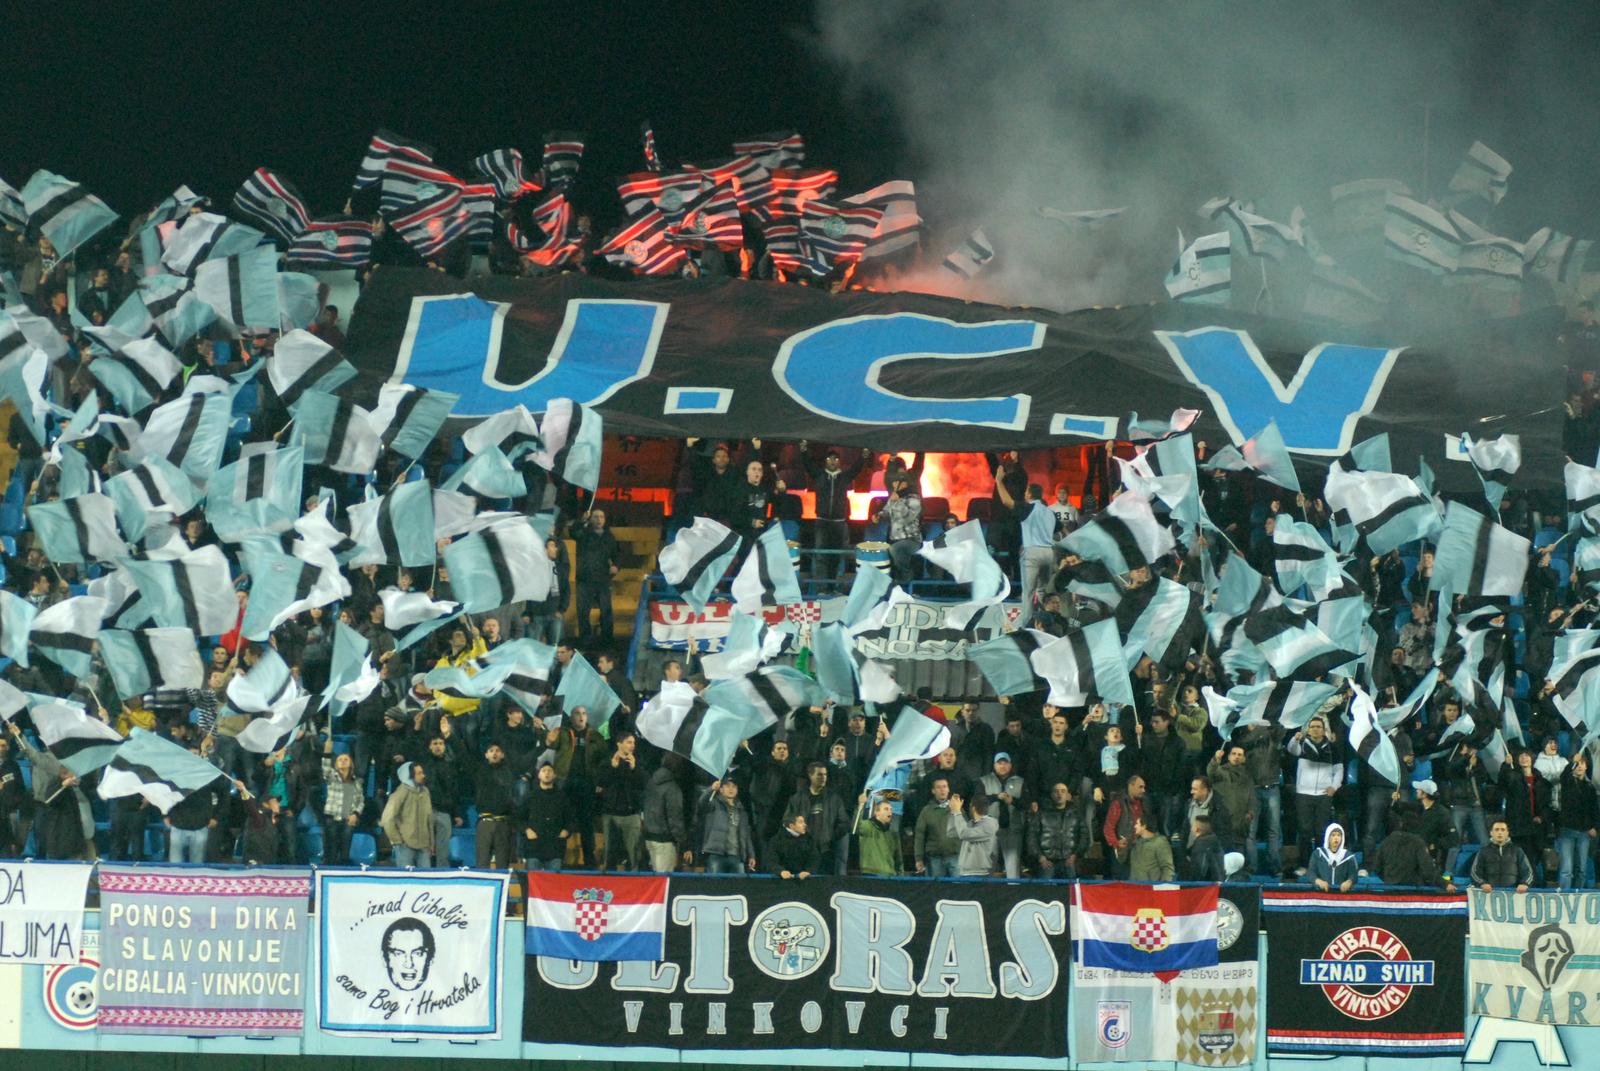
point(202, 953)
point(1373, 973)
point(735, 359)
point(862, 965)
point(1535, 956)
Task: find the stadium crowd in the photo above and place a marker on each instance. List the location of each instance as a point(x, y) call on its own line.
point(1150, 791)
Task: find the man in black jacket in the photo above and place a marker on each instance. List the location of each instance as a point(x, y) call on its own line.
point(790, 852)
point(621, 785)
point(831, 530)
point(1501, 864)
point(1404, 859)
point(546, 821)
point(1204, 861)
point(494, 789)
point(599, 558)
point(443, 771)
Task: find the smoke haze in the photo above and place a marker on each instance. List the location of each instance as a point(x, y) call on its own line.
point(1009, 107)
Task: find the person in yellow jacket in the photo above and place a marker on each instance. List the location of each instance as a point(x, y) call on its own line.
point(461, 655)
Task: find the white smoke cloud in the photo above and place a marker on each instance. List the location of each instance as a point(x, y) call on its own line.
point(1087, 105)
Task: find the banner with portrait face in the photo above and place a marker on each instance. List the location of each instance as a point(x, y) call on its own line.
point(1535, 956)
point(410, 954)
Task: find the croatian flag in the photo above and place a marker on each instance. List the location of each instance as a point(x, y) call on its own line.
point(1150, 929)
point(595, 917)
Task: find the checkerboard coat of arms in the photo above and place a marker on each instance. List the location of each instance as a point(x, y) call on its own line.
point(1150, 930)
point(592, 907)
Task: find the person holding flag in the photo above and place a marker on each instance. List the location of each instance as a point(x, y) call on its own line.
point(878, 839)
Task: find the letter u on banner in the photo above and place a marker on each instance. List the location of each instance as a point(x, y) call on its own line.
point(453, 343)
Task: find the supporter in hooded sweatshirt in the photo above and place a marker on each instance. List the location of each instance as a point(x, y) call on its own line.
point(1333, 866)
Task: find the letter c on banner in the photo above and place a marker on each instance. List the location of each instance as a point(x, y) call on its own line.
point(833, 369)
point(452, 343)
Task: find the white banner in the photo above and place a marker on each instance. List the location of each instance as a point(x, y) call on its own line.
point(1534, 956)
point(410, 954)
point(41, 911)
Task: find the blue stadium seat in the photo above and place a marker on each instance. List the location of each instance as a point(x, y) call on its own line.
point(363, 849)
point(464, 846)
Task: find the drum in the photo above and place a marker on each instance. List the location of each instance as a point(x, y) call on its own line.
point(873, 555)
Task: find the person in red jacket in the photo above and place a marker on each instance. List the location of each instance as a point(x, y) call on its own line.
point(1126, 808)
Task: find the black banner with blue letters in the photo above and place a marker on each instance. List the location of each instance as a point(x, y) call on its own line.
point(972, 968)
point(735, 358)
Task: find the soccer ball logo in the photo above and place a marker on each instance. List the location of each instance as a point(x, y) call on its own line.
point(635, 251)
point(330, 241)
point(834, 227)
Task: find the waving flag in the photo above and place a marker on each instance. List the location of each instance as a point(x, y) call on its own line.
point(1006, 661)
point(300, 362)
point(137, 373)
point(1387, 508)
point(64, 211)
point(596, 917)
point(563, 152)
point(149, 660)
point(583, 686)
point(1145, 929)
point(835, 232)
point(1477, 557)
point(1495, 461)
point(1419, 235)
point(1203, 272)
point(334, 242)
point(241, 290)
point(12, 210)
point(971, 256)
point(899, 227)
point(501, 564)
point(349, 668)
point(157, 769)
point(1555, 257)
point(335, 432)
point(1369, 740)
point(680, 721)
point(1125, 536)
point(16, 621)
point(1301, 558)
point(82, 743)
point(769, 694)
point(697, 558)
point(775, 150)
point(65, 632)
point(666, 193)
point(73, 531)
point(1085, 663)
point(1170, 608)
point(385, 146)
point(504, 169)
point(425, 205)
point(407, 418)
point(572, 436)
point(271, 202)
point(205, 237)
point(258, 493)
point(1293, 645)
point(641, 244)
point(767, 577)
point(396, 529)
point(1263, 237)
point(962, 552)
point(919, 733)
point(282, 586)
point(710, 218)
point(1482, 173)
point(750, 181)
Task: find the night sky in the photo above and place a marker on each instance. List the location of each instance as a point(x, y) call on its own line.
point(132, 103)
point(133, 100)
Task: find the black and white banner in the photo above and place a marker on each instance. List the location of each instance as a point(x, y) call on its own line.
point(857, 964)
point(410, 954)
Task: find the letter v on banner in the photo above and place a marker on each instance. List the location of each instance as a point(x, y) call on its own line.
point(1317, 411)
point(834, 369)
point(452, 343)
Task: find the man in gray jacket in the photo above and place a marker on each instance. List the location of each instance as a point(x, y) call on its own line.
point(1006, 790)
point(977, 833)
point(725, 840)
point(663, 817)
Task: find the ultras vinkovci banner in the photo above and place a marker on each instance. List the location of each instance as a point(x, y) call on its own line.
point(735, 358)
point(897, 966)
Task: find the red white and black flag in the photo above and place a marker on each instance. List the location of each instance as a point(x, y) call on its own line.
point(642, 244)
